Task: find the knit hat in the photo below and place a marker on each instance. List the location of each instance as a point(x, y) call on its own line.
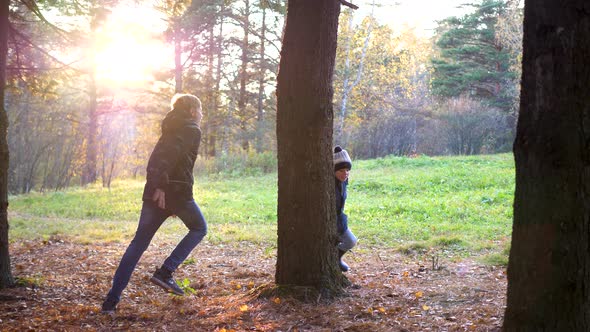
point(341, 159)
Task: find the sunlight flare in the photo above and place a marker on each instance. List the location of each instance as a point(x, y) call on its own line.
point(127, 49)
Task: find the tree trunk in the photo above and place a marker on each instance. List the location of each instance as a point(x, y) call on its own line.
point(177, 57)
point(210, 95)
point(549, 267)
point(261, 82)
point(89, 175)
point(218, 73)
point(242, 99)
point(306, 211)
point(6, 279)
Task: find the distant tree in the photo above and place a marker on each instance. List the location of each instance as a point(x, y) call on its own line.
point(306, 212)
point(233, 93)
point(203, 47)
point(266, 68)
point(387, 94)
point(509, 35)
point(175, 10)
point(6, 278)
point(97, 13)
point(244, 97)
point(263, 4)
point(469, 125)
point(351, 79)
point(33, 79)
point(472, 61)
point(549, 265)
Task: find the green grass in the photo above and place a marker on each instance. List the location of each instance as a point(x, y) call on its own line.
point(458, 204)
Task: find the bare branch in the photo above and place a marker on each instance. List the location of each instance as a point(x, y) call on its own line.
point(32, 6)
point(44, 52)
point(348, 4)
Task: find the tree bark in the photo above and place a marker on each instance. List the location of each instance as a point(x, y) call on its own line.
point(178, 68)
point(209, 110)
point(242, 99)
point(261, 82)
point(306, 211)
point(6, 279)
point(218, 73)
point(549, 266)
point(89, 175)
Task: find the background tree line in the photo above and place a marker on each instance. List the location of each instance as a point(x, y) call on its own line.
point(396, 92)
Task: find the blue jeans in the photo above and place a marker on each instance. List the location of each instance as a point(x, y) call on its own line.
point(346, 240)
point(150, 220)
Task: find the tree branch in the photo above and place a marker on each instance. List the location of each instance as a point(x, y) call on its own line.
point(40, 49)
point(32, 6)
point(348, 4)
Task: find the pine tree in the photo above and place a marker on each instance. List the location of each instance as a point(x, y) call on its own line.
point(6, 278)
point(549, 265)
point(306, 213)
point(472, 62)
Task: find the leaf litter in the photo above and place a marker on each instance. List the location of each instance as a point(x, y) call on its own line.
point(64, 283)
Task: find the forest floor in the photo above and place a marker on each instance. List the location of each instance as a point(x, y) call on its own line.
point(65, 283)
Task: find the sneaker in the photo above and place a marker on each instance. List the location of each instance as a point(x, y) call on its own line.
point(343, 266)
point(163, 278)
point(109, 306)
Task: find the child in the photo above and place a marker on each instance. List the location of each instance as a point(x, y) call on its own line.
point(346, 240)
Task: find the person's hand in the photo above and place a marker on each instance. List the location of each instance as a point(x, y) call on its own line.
point(159, 198)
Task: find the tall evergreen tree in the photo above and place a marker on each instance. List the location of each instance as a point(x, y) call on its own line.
point(306, 212)
point(98, 14)
point(206, 18)
point(244, 76)
point(6, 278)
point(472, 62)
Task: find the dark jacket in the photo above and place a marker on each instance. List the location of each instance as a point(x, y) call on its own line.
point(171, 163)
point(341, 217)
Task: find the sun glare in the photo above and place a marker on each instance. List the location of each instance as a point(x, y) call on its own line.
point(129, 49)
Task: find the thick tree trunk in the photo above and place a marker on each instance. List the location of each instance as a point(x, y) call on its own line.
point(549, 267)
point(306, 212)
point(6, 279)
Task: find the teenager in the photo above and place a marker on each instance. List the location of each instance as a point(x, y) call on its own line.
point(168, 191)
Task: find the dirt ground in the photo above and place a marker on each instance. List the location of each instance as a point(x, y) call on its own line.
point(391, 292)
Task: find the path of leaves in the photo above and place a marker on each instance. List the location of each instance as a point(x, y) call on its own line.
point(392, 293)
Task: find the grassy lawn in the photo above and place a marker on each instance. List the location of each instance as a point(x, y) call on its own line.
point(456, 205)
